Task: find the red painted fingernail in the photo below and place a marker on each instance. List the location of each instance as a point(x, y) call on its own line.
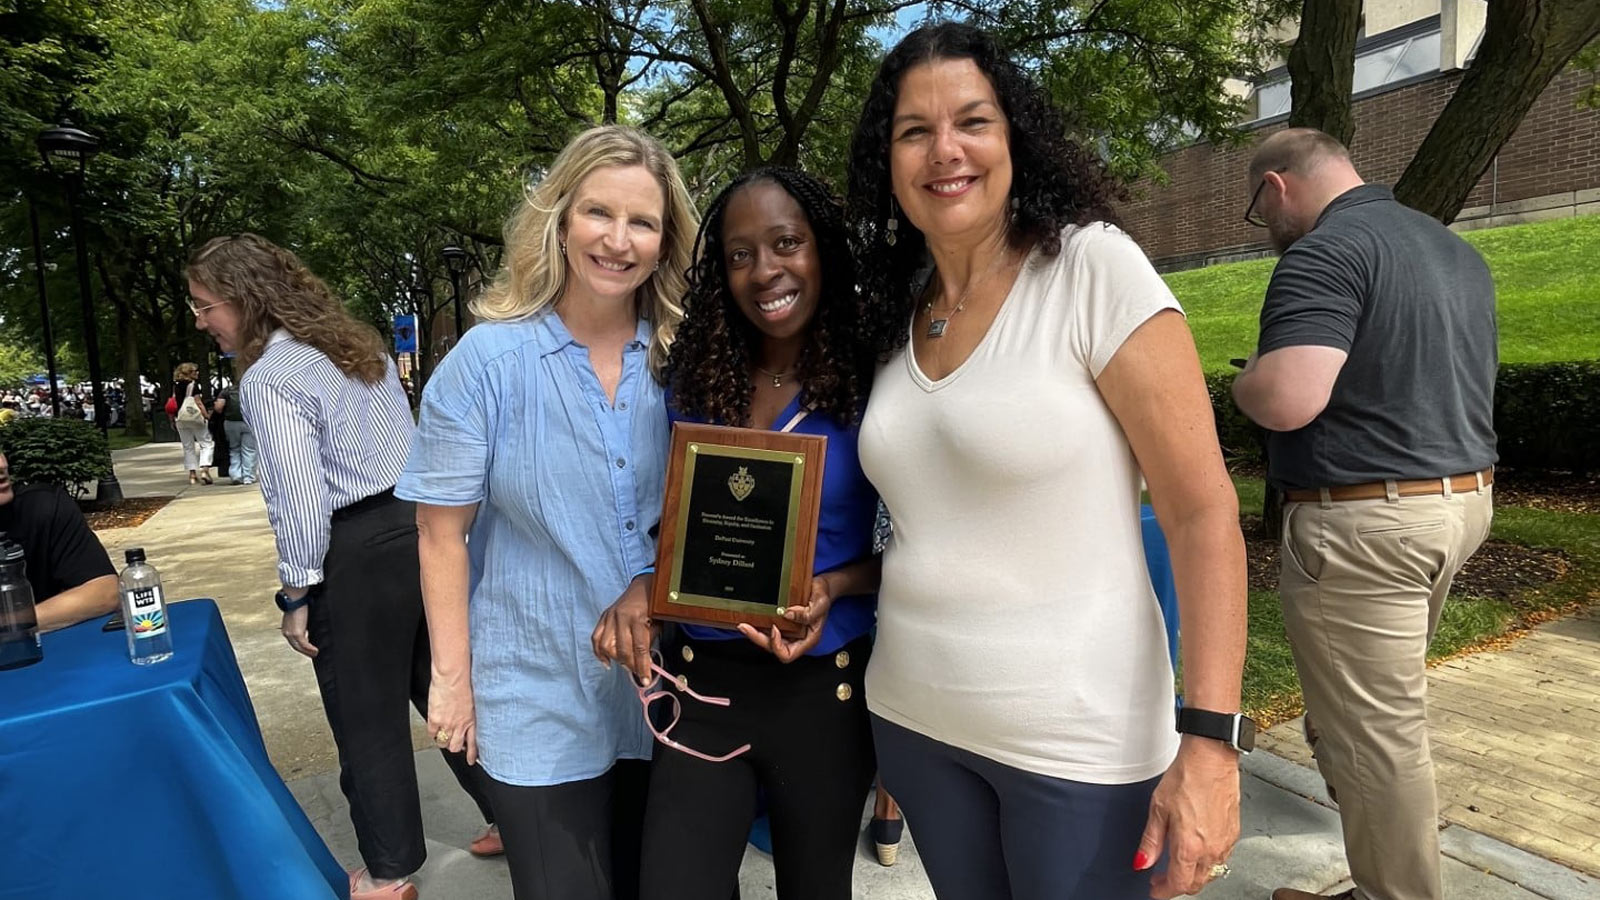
point(1141, 861)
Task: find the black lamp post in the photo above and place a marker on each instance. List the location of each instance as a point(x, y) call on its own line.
point(44, 313)
point(455, 259)
point(67, 149)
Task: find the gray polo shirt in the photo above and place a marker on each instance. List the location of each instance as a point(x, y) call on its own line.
point(1413, 306)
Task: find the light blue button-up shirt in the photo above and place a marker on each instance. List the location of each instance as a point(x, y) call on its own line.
point(568, 486)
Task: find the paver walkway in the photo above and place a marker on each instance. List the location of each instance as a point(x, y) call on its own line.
point(1516, 741)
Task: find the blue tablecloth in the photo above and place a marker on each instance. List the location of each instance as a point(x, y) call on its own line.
point(151, 782)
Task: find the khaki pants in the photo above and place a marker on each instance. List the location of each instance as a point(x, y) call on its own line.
point(1362, 584)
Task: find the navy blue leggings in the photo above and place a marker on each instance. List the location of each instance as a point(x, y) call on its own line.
point(987, 831)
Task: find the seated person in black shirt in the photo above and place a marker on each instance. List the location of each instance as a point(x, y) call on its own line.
point(69, 570)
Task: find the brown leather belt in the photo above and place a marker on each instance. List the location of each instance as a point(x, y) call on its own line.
point(1378, 490)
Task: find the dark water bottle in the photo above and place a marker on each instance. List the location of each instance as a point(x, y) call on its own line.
point(19, 623)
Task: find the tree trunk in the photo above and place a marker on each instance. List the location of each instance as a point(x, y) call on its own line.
point(1322, 66)
point(1525, 44)
point(119, 294)
point(132, 398)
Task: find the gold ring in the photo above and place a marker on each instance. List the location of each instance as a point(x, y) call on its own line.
point(443, 737)
point(1220, 870)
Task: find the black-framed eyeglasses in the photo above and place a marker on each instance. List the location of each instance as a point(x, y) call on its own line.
point(1251, 217)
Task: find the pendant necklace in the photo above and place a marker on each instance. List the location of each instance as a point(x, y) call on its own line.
point(777, 377)
point(936, 327)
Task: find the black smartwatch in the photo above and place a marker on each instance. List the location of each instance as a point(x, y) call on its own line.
point(289, 604)
point(1234, 729)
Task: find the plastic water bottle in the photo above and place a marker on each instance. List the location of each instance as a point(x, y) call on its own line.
point(19, 623)
point(144, 610)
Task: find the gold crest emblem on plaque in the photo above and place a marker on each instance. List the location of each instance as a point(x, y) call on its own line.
point(741, 483)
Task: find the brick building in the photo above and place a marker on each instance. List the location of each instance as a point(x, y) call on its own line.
point(1408, 67)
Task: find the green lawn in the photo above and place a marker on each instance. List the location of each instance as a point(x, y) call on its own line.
point(1545, 274)
point(120, 440)
point(1271, 690)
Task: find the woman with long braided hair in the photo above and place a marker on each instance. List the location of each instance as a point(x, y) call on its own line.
point(770, 340)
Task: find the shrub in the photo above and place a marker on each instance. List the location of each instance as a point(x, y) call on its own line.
point(68, 452)
point(1547, 416)
point(1240, 437)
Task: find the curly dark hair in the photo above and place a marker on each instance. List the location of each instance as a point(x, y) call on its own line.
point(708, 366)
point(1055, 182)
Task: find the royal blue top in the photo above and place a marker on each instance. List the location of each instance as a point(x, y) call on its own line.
point(567, 484)
point(844, 528)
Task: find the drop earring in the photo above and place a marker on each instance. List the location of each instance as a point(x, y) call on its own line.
point(563, 248)
point(1014, 207)
point(892, 225)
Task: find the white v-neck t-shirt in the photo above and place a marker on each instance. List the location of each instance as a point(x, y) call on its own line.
point(1016, 619)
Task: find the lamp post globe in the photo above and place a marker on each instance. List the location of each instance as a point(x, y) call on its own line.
point(69, 143)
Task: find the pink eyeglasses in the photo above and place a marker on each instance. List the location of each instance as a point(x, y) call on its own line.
point(655, 690)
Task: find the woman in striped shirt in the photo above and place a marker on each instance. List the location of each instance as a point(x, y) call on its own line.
point(333, 427)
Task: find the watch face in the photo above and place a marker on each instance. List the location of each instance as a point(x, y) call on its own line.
point(1247, 734)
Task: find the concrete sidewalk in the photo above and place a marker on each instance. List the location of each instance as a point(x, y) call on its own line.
point(1289, 838)
point(214, 541)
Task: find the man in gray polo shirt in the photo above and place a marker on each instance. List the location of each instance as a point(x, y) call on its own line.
point(1374, 377)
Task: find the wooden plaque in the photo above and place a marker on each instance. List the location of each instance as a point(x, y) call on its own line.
point(738, 526)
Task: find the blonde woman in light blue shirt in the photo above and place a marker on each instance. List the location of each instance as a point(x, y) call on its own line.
point(543, 440)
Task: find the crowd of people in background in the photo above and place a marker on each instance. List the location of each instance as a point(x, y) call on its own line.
point(217, 441)
point(77, 402)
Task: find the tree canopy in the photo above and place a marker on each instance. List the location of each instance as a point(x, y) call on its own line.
point(368, 134)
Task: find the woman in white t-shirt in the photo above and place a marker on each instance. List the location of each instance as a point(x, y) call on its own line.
point(1021, 691)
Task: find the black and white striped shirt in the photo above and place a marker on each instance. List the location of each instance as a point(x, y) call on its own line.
point(325, 441)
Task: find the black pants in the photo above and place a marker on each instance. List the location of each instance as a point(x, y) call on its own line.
point(811, 753)
point(574, 841)
point(367, 623)
point(988, 831)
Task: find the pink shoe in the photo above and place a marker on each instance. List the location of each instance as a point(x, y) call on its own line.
point(488, 843)
point(400, 890)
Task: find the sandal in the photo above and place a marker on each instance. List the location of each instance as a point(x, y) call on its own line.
point(885, 834)
point(400, 890)
point(886, 830)
point(488, 843)
point(193, 479)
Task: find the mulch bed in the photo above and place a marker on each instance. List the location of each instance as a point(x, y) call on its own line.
point(126, 514)
point(1499, 570)
point(1557, 491)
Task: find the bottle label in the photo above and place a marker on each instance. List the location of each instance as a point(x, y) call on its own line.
point(149, 612)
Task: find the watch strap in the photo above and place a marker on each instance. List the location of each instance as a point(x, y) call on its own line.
point(1234, 729)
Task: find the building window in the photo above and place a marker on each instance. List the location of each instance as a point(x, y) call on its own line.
point(1272, 99)
point(1376, 67)
point(1396, 62)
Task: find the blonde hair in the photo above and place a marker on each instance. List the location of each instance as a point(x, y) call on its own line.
point(535, 271)
point(271, 288)
point(186, 372)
